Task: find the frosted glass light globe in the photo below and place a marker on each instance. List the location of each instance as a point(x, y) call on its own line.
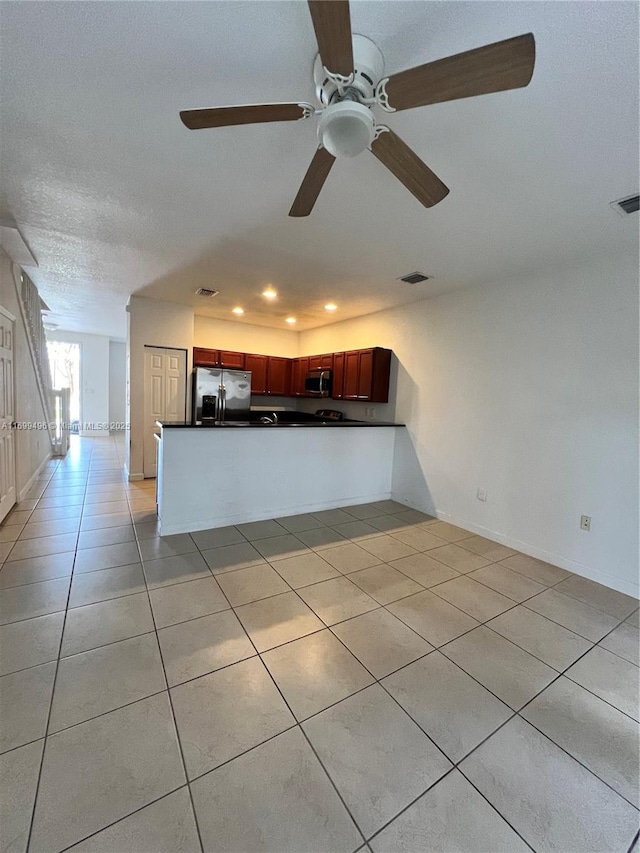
point(345, 129)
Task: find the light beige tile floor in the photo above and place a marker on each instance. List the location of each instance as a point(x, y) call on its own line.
point(363, 678)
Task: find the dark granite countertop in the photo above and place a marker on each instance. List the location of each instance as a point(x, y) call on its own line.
point(284, 425)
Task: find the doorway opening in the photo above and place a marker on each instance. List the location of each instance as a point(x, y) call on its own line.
point(64, 362)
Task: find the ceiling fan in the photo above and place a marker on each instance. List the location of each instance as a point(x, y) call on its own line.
point(350, 79)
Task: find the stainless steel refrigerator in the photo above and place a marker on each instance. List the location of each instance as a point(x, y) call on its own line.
point(221, 395)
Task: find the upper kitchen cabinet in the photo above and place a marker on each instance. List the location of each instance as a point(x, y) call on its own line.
point(206, 357)
point(235, 360)
point(366, 376)
point(338, 376)
point(357, 375)
point(321, 362)
point(257, 364)
point(203, 357)
point(278, 376)
point(270, 374)
point(299, 370)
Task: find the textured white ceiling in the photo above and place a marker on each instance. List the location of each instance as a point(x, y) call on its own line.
point(114, 196)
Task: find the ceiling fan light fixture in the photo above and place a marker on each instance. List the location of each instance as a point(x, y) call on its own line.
point(346, 129)
point(350, 78)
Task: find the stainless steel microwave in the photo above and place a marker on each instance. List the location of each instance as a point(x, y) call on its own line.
point(318, 383)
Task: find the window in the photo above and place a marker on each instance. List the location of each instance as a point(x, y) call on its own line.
point(64, 361)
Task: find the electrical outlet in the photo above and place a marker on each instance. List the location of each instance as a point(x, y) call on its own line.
point(481, 494)
point(585, 522)
point(369, 412)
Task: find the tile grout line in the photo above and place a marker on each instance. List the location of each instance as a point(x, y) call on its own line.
point(296, 724)
point(169, 699)
point(416, 723)
point(518, 713)
point(515, 712)
point(338, 702)
point(173, 714)
point(376, 681)
point(53, 691)
point(634, 841)
point(115, 822)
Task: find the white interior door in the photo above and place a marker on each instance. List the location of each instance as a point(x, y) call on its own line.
point(175, 385)
point(165, 396)
point(7, 417)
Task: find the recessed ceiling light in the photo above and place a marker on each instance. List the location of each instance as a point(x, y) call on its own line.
point(269, 293)
point(290, 320)
point(237, 310)
point(330, 306)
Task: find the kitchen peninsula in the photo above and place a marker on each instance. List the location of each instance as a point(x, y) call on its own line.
point(228, 473)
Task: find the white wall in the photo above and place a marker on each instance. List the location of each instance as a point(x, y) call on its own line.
point(528, 389)
point(33, 447)
point(151, 322)
point(117, 383)
point(361, 472)
point(244, 337)
point(94, 380)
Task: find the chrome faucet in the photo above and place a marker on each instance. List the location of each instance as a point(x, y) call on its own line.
point(271, 418)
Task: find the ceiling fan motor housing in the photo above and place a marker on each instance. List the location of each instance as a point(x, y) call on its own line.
point(368, 64)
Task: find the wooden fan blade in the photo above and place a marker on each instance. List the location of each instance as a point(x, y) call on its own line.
point(492, 68)
point(408, 168)
point(246, 114)
point(312, 183)
point(332, 23)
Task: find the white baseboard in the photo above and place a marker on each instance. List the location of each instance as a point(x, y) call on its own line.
point(619, 584)
point(274, 512)
point(613, 582)
point(132, 478)
point(33, 478)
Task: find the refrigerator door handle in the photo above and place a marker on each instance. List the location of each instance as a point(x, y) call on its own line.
point(222, 406)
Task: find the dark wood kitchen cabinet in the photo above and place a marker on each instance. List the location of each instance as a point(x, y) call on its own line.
point(232, 360)
point(366, 375)
point(357, 375)
point(203, 357)
point(257, 364)
point(321, 362)
point(350, 385)
point(278, 376)
point(206, 357)
point(299, 370)
point(338, 376)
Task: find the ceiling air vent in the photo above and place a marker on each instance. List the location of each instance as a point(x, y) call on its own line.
point(202, 291)
point(415, 278)
point(624, 206)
